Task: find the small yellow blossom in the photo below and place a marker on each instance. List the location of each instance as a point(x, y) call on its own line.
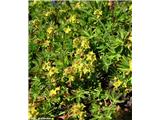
point(86, 69)
point(54, 92)
point(85, 44)
point(115, 78)
point(91, 56)
point(29, 115)
point(76, 64)
point(46, 66)
point(52, 71)
point(67, 30)
point(79, 51)
point(130, 38)
point(117, 83)
point(98, 13)
point(50, 30)
point(35, 23)
point(72, 19)
point(48, 14)
point(69, 70)
point(127, 91)
point(32, 113)
point(129, 45)
point(57, 89)
point(71, 78)
point(46, 43)
point(78, 5)
point(124, 85)
point(76, 43)
point(80, 67)
point(77, 108)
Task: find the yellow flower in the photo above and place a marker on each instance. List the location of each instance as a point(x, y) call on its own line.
point(50, 30)
point(86, 69)
point(57, 88)
point(117, 83)
point(69, 70)
point(46, 66)
point(46, 43)
point(126, 91)
point(124, 85)
point(79, 51)
point(67, 30)
point(32, 113)
point(80, 67)
point(52, 71)
point(76, 109)
point(76, 64)
point(129, 45)
point(71, 78)
point(115, 78)
point(54, 92)
point(85, 44)
point(76, 43)
point(72, 19)
point(91, 57)
point(29, 115)
point(130, 38)
point(47, 14)
point(98, 13)
point(78, 5)
point(35, 23)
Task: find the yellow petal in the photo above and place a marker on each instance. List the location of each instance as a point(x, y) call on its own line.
point(117, 83)
point(57, 89)
point(52, 93)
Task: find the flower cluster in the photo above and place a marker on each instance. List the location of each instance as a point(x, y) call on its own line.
point(77, 110)
point(72, 19)
point(78, 5)
point(51, 70)
point(83, 62)
point(32, 113)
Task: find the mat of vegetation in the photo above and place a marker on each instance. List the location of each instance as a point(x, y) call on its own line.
point(80, 55)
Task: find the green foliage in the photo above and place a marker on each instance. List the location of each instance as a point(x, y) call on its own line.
point(80, 57)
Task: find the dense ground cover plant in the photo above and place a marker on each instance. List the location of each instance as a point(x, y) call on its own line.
point(80, 59)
